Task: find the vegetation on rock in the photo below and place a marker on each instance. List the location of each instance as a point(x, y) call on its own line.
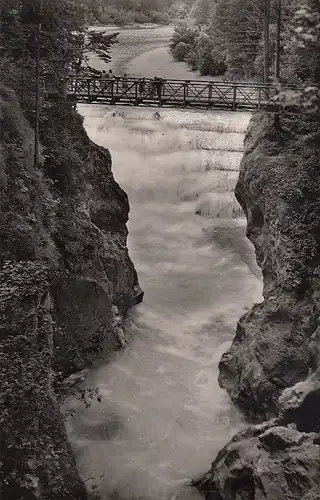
point(66, 279)
point(36, 460)
point(126, 12)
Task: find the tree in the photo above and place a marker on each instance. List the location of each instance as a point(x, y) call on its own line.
point(236, 28)
point(306, 43)
point(183, 41)
point(204, 57)
point(201, 11)
point(230, 34)
point(300, 59)
point(97, 42)
point(121, 12)
point(64, 39)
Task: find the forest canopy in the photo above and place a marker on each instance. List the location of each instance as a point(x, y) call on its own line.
point(226, 37)
point(125, 12)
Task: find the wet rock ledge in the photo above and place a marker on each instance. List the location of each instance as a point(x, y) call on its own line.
point(66, 283)
point(272, 370)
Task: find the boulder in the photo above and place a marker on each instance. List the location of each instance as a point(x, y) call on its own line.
point(279, 463)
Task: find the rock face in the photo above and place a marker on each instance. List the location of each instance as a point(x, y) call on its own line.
point(276, 463)
point(98, 282)
point(272, 369)
point(66, 284)
point(278, 189)
point(300, 404)
point(36, 460)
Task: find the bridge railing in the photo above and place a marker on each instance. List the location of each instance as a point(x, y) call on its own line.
point(231, 95)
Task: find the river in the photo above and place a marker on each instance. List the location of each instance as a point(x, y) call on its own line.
point(163, 416)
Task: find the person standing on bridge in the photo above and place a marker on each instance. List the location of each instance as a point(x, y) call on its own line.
point(125, 82)
point(159, 85)
point(110, 77)
point(103, 80)
point(152, 87)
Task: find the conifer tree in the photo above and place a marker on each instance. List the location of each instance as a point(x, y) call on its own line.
point(65, 41)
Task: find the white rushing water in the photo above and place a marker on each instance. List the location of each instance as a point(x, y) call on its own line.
point(163, 416)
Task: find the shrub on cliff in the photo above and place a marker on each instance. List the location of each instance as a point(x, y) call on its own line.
point(26, 204)
point(35, 458)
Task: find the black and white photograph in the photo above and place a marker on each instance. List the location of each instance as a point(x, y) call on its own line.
point(159, 250)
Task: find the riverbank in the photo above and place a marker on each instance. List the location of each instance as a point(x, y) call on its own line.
point(144, 52)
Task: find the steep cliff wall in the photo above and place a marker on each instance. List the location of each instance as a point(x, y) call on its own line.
point(278, 188)
point(273, 366)
point(66, 284)
point(36, 460)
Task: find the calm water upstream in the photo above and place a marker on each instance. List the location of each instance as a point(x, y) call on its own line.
point(163, 416)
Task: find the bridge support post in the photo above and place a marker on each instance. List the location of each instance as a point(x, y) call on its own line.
point(112, 91)
point(88, 89)
point(185, 92)
point(136, 92)
point(259, 98)
point(210, 94)
point(234, 98)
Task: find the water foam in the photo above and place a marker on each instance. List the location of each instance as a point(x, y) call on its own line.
point(163, 416)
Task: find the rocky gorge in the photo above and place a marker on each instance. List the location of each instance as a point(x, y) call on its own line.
point(272, 369)
point(66, 283)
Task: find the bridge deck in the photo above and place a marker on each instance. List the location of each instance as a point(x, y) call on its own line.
point(174, 93)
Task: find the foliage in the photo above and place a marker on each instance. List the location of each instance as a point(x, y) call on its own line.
point(97, 42)
point(300, 58)
point(201, 11)
point(205, 57)
point(306, 44)
point(35, 458)
point(24, 216)
point(124, 12)
point(64, 44)
point(183, 40)
point(229, 35)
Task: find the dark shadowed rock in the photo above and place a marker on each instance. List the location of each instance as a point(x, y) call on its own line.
point(36, 460)
point(96, 271)
point(279, 438)
point(300, 404)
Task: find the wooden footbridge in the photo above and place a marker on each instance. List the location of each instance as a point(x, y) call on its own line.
point(232, 96)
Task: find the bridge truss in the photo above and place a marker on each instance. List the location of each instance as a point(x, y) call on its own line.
point(232, 96)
